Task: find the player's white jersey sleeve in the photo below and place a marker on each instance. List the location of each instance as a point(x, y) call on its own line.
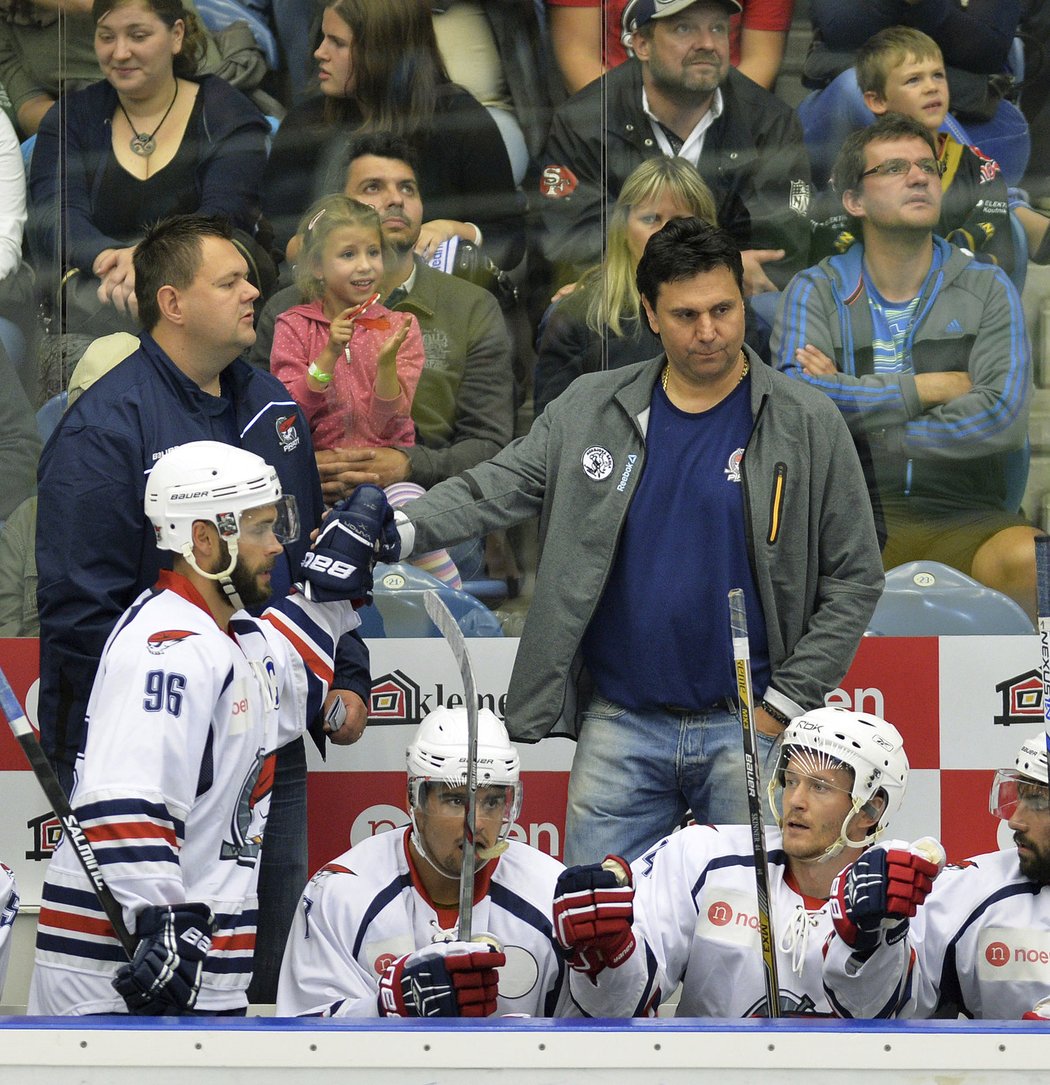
point(320, 976)
point(664, 921)
point(8, 911)
point(979, 947)
point(310, 632)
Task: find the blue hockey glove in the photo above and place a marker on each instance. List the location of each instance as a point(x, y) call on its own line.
point(447, 979)
point(164, 976)
point(593, 911)
point(881, 891)
point(357, 532)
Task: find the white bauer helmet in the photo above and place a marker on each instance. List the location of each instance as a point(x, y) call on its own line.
point(867, 744)
point(1011, 785)
point(218, 483)
point(437, 754)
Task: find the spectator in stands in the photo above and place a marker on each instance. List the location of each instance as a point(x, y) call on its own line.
point(42, 56)
point(364, 403)
point(463, 407)
point(679, 96)
point(380, 70)
point(19, 443)
point(501, 53)
point(600, 325)
point(150, 140)
point(16, 278)
point(186, 382)
point(923, 349)
point(901, 70)
point(704, 462)
point(587, 36)
point(18, 576)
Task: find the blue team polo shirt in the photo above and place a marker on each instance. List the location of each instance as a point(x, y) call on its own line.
point(660, 634)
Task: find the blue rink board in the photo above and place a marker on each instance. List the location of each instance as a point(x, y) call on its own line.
point(673, 1026)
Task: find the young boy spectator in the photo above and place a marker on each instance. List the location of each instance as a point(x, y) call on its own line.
point(901, 70)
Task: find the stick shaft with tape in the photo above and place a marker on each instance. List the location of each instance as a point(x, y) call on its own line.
point(52, 789)
point(442, 617)
point(746, 700)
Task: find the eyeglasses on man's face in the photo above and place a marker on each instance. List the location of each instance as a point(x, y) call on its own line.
point(901, 167)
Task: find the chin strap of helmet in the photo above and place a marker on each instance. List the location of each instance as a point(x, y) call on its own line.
point(223, 577)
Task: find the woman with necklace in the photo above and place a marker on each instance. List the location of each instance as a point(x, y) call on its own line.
point(148, 141)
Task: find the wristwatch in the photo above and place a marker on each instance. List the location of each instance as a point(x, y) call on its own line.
point(775, 712)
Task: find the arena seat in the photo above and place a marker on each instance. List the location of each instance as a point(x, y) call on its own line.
point(48, 415)
point(928, 599)
point(398, 609)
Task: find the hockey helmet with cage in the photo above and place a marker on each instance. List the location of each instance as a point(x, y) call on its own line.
point(217, 483)
point(1028, 781)
point(438, 754)
point(868, 745)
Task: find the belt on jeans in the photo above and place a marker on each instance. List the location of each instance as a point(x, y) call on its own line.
point(726, 703)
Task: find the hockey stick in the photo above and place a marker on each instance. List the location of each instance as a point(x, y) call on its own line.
point(441, 616)
point(52, 789)
point(1042, 590)
point(742, 664)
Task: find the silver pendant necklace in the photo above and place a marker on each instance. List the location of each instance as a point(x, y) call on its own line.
point(142, 143)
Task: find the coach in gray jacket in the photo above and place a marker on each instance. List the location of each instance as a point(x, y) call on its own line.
point(658, 487)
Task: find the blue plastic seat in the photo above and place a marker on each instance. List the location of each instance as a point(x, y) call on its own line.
point(47, 417)
point(928, 599)
point(398, 609)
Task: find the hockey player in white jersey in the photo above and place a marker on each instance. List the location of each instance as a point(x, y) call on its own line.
point(8, 911)
point(192, 698)
point(375, 932)
point(686, 911)
point(980, 944)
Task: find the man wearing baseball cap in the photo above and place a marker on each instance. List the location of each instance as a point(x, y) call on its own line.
point(678, 95)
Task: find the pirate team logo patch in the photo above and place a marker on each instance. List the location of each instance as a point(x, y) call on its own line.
point(732, 469)
point(287, 433)
point(597, 463)
point(158, 643)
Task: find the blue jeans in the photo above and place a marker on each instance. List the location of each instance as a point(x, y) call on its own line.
point(635, 774)
point(283, 869)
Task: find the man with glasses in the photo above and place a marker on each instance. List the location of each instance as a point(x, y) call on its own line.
point(924, 350)
point(980, 943)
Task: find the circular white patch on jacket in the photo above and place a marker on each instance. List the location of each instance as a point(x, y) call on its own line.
point(597, 463)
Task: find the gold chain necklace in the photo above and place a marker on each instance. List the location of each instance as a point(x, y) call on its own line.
point(667, 369)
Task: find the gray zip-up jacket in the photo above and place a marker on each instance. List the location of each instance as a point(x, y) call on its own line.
point(810, 532)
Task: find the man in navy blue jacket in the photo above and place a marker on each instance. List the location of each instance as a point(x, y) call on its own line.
point(95, 548)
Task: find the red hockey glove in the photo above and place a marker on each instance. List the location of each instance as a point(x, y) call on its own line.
point(447, 979)
point(593, 913)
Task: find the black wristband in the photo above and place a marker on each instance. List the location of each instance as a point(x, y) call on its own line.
point(772, 710)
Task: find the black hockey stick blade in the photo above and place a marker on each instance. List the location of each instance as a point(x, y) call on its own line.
point(52, 789)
